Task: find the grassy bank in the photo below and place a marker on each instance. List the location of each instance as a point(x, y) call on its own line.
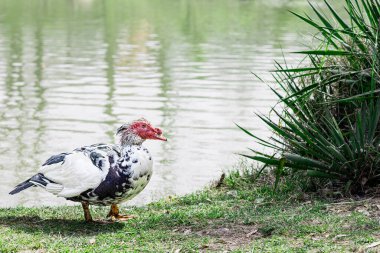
point(234, 217)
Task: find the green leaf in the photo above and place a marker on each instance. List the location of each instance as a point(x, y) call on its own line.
point(279, 172)
point(324, 52)
point(320, 174)
point(305, 161)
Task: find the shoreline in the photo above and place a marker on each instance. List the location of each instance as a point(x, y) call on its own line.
point(236, 217)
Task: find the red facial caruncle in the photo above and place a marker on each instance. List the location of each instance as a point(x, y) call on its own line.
point(146, 131)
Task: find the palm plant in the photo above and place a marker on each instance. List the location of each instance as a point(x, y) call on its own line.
point(329, 115)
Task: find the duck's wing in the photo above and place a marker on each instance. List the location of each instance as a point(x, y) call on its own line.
point(70, 174)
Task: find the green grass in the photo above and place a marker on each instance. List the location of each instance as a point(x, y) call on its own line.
point(235, 217)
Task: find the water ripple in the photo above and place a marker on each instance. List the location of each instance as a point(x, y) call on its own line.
point(70, 78)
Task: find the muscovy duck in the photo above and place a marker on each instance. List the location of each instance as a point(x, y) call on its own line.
point(100, 174)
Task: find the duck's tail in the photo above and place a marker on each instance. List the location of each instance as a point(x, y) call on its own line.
point(33, 181)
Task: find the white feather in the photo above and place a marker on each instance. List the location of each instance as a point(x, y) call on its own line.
point(54, 188)
point(76, 174)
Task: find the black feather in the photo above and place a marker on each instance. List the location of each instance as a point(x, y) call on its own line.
point(38, 179)
point(20, 187)
point(56, 159)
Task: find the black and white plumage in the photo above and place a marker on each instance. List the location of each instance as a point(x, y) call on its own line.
point(100, 174)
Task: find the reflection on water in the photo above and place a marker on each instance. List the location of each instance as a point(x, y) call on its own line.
point(72, 71)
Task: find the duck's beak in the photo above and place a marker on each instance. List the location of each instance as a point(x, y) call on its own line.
point(158, 135)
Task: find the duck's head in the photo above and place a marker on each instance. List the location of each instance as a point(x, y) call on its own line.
point(137, 131)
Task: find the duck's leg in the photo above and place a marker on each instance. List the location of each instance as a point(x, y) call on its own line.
point(87, 214)
point(114, 214)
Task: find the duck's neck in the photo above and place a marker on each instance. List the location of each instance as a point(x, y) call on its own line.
point(129, 139)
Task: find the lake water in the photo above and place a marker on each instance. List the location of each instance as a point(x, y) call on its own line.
point(72, 71)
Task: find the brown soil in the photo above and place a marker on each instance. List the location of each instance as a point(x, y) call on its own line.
point(369, 207)
point(226, 238)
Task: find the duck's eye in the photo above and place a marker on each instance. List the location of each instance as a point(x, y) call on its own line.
point(143, 125)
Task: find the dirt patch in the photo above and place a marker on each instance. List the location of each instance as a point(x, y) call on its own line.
point(226, 238)
point(369, 207)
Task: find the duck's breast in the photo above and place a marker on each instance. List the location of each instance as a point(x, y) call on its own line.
point(141, 171)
